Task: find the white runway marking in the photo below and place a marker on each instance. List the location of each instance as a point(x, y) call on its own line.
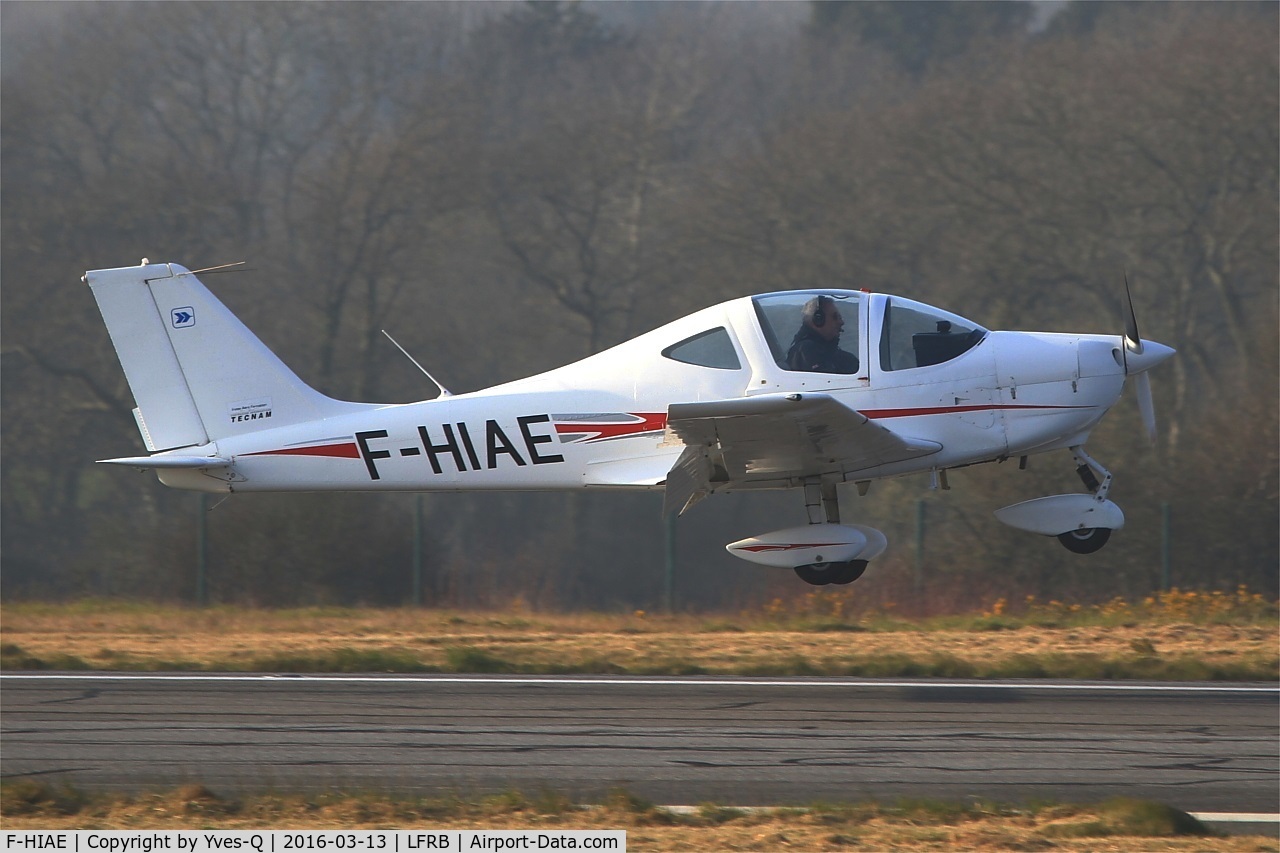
point(1111, 687)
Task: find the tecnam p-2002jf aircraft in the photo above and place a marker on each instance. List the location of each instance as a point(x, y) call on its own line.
point(799, 389)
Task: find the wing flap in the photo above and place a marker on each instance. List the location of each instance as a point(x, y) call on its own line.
point(688, 481)
point(778, 436)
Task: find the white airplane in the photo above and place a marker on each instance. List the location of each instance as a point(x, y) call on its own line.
point(798, 389)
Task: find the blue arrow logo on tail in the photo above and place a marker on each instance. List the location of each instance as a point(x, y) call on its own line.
point(183, 317)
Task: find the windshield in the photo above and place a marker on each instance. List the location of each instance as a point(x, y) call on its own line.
point(918, 335)
point(811, 331)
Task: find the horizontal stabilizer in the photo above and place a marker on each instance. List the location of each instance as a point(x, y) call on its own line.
point(169, 461)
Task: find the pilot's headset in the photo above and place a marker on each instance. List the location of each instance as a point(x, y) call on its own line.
point(820, 314)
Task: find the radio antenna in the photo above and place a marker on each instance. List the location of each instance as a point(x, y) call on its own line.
point(444, 392)
point(222, 268)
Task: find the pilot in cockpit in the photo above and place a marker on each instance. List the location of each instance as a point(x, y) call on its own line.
point(816, 347)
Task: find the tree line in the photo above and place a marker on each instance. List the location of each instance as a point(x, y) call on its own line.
point(510, 186)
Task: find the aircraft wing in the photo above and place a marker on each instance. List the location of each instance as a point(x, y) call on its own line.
point(775, 437)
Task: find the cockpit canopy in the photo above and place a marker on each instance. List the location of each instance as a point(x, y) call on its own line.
point(909, 335)
point(822, 332)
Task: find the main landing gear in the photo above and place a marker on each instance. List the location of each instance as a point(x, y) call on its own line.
point(822, 552)
point(822, 502)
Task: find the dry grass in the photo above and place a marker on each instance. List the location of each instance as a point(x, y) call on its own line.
point(1119, 825)
point(105, 636)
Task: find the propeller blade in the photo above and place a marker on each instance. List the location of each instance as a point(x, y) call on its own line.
point(1146, 406)
point(1132, 340)
point(1136, 366)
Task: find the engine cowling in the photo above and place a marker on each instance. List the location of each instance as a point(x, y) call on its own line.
point(811, 544)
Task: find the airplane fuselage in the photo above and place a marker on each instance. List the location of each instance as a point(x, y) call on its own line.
point(601, 422)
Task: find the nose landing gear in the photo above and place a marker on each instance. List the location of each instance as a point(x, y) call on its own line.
point(1082, 523)
point(1086, 540)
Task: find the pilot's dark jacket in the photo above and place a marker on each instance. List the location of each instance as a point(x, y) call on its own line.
point(810, 351)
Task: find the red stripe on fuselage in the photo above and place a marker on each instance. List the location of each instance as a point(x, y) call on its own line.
point(649, 422)
point(333, 451)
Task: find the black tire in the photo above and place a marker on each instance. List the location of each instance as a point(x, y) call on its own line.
point(821, 574)
point(1086, 540)
point(852, 571)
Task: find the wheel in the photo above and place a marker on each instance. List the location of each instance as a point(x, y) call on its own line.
point(818, 574)
point(821, 574)
point(1086, 540)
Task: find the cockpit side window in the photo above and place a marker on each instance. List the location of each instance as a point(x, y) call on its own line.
point(915, 335)
point(813, 332)
point(712, 348)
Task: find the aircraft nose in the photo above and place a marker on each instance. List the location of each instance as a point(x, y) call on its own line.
point(1152, 353)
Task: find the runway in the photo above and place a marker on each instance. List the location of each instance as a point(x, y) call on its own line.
point(669, 740)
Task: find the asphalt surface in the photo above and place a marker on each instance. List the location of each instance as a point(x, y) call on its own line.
point(668, 740)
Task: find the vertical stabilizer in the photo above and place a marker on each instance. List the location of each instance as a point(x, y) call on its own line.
point(196, 372)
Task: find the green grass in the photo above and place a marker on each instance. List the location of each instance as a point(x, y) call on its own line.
point(13, 656)
point(1127, 817)
point(26, 796)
